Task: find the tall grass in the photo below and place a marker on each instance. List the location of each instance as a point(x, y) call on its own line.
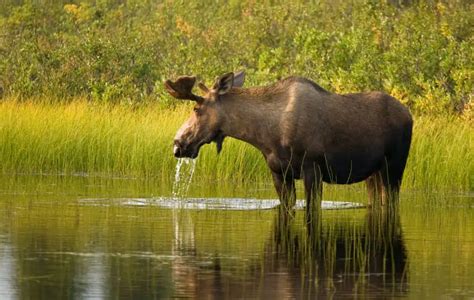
point(107, 140)
point(77, 137)
point(441, 156)
point(41, 138)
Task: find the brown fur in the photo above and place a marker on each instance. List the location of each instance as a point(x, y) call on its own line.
point(306, 132)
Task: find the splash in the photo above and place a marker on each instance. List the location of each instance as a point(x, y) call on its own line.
point(183, 175)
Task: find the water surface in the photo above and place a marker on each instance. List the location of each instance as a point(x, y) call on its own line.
point(80, 237)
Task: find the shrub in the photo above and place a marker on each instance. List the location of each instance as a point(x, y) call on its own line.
point(121, 51)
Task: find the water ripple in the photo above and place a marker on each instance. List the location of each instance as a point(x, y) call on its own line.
point(212, 203)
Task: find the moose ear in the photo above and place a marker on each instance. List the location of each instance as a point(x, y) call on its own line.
point(224, 83)
point(239, 78)
point(182, 88)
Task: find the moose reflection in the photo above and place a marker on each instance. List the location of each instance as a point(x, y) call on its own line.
point(337, 257)
point(340, 258)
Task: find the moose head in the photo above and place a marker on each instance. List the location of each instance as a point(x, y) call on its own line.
point(204, 124)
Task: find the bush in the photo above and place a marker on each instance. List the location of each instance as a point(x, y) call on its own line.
point(121, 51)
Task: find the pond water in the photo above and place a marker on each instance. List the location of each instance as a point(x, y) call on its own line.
point(80, 237)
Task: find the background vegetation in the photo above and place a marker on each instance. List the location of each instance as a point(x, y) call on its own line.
point(121, 51)
point(81, 81)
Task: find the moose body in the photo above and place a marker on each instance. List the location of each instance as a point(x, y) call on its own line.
point(304, 132)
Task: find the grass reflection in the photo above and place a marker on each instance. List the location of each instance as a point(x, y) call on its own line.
point(52, 245)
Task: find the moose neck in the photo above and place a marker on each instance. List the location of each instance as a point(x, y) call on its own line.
point(250, 120)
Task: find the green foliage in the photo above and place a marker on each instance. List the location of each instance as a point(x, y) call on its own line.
point(80, 138)
point(121, 51)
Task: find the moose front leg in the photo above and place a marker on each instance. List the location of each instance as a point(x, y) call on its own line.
point(313, 190)
point(285, 187)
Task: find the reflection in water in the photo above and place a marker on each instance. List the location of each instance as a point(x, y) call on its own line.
point(7, 271)
point(143, 252)
point(183, 273)
point(91, 282)
point(336, 259)
point(339, 259)
point(54, 245)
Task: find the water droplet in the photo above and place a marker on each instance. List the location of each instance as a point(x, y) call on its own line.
point(183, 176)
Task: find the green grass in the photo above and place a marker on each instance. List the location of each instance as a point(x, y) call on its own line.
point(441, 156)
point(82, 138)
point(108, 140)
point(79, 137)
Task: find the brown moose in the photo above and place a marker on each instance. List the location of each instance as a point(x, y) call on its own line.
point(304, 132)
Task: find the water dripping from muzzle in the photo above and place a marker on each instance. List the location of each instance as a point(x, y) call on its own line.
point(184, 172)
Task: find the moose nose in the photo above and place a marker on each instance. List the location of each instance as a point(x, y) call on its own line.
point(177, 148)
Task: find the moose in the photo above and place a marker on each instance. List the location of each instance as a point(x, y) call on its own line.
point(304, 132)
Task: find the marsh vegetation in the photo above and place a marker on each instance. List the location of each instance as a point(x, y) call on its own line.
point(80, 138)
point(86, 132)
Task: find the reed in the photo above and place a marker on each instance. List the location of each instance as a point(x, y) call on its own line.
point(441, 156)
point(113, 140)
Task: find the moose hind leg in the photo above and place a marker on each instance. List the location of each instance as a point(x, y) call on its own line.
point(394, 166)
point(313, 190)
point(375, 190)
point(391, 174)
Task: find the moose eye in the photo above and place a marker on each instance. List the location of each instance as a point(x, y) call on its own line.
point(197, 110)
